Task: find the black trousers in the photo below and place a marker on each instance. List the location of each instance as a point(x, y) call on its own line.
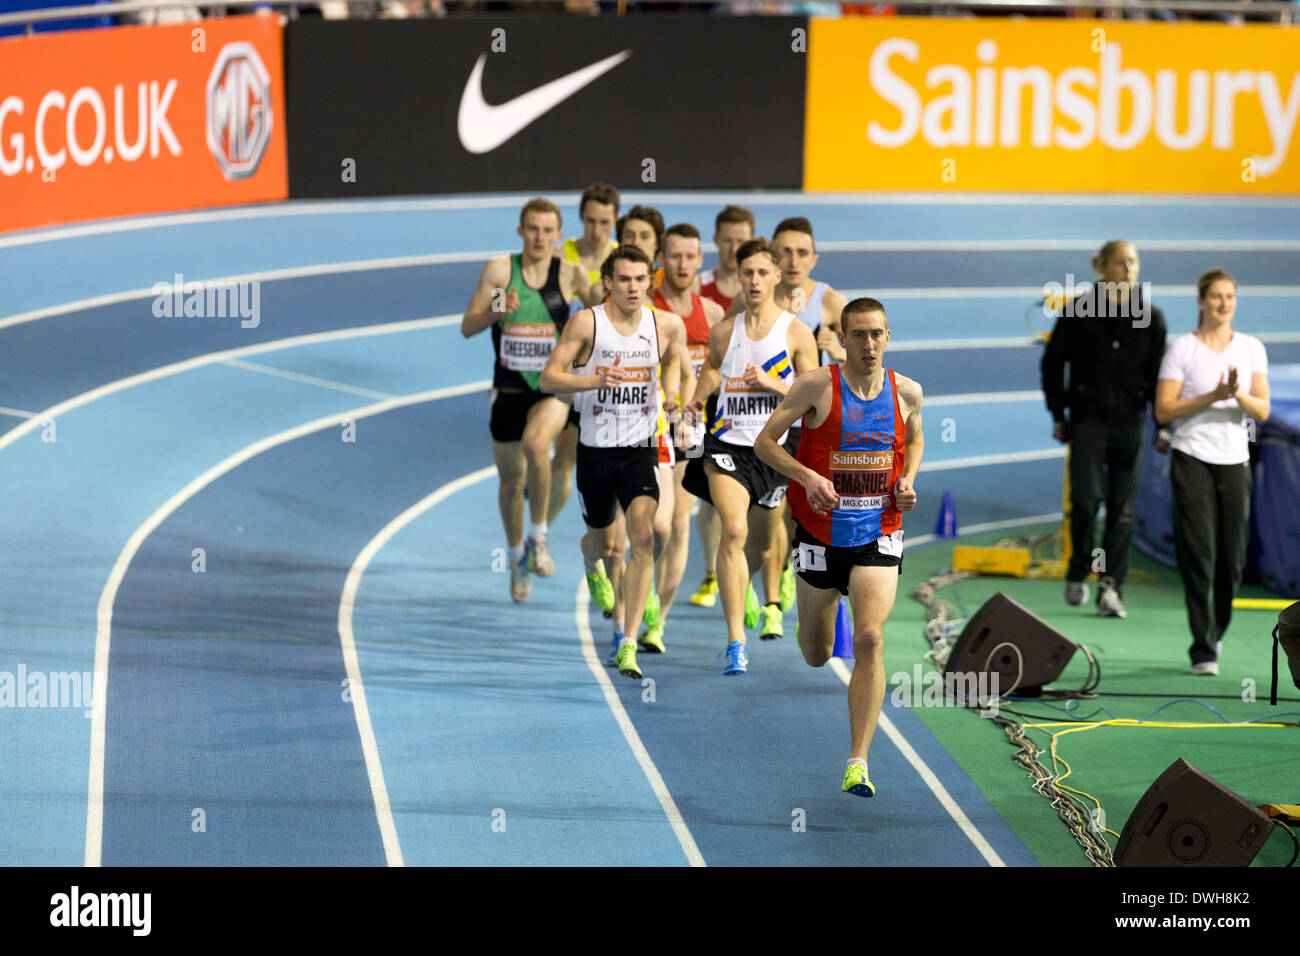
point(1211, 528)
point(1104, 459)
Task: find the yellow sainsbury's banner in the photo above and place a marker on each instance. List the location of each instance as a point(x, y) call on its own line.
point(1092, 105)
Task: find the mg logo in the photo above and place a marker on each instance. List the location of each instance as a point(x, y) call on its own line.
point(239, 110)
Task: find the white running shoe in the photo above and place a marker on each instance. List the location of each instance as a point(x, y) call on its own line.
point(521, 585)
point(540, 561)
point(1210, 668)
point(1108, 602)
point(1076, 593)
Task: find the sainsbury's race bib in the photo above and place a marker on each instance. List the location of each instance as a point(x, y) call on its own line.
point(861, 478)
point(525, 346)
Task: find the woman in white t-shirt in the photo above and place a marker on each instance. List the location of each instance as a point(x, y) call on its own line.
point(1214, 383)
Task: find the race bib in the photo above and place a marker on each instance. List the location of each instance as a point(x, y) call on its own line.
point(699, 352)
point(861, 479)
point(746, 408)
point(525, 346)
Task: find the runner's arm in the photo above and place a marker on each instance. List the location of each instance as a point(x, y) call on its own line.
point(479, 314)
point(833, 304)
point(557, 378)
point(670, 364)
point(913, 447)
point(710, 374)
point(804, 396)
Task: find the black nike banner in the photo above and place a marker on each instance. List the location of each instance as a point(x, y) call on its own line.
point(535, 104)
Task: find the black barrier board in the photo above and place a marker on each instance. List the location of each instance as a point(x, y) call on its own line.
point(493, 104)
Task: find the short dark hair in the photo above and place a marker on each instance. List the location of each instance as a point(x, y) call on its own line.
point(861, 306)
point(646, 214)
point(629, 252)
point(603, 193)
point(795, 224)
point(756, 246)
point(683, 229)
point(734, 214)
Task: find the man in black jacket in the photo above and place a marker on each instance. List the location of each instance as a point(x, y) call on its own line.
point(1113, 339)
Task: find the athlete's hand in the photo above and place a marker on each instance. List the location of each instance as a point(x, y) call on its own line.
point(827, 340)
point(904, 495)
point(822, 496)
point(512, 302)
point(613, 374)
point(1232, 380)
point(755, 377)
point(671, 408)
point(1058, 432)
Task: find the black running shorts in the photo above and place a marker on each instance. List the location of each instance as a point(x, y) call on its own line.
point(510, 413)
point(609, 475)
point(766, 485)
point(827, 568)
point(792, 439)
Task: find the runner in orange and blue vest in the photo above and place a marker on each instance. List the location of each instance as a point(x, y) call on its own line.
point(849, 484)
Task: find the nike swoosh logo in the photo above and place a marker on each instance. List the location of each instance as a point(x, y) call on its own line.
point(483, 127)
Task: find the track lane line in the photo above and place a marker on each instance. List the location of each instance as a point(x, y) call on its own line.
point(210, 358)
point(347, 603)
point(580, 611)
point(104, 613)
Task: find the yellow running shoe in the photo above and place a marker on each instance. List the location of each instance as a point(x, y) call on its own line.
point(652, 641)
point(707, 595)
point(602, 591)
point(787, 588)
point(626, 660)
point(856, 781)
point(752, 607)
point(650, 616)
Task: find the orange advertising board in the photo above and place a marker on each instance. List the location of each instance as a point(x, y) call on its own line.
point(1051, 105)
point(142, 119)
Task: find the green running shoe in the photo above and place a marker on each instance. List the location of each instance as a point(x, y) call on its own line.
point(652, 641)
point(626, 662)
point(751, 608)
point(773, 626)
point(787, 588)
point(856, 781)
point(651, 614)
point(602, 592)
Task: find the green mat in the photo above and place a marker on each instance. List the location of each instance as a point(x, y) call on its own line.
point(1144, 654)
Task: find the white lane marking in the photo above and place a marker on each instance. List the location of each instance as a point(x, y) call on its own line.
point(977, 461)
point(986, 526)
point(198, 361)
point(1035, 292)
point(269, 275)
point(931, 780)
point(974, 398)
point(897, 737)
point(1025, 342)
point(347, 602)
point(1055, 245)
point(597, 667)
point(307, 379)
point(515, 200)
point(104, 614)
point(16, 412)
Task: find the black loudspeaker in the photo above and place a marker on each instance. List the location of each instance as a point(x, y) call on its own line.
point(1287, 636)
point(1005, 639)
point(1189, 819)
